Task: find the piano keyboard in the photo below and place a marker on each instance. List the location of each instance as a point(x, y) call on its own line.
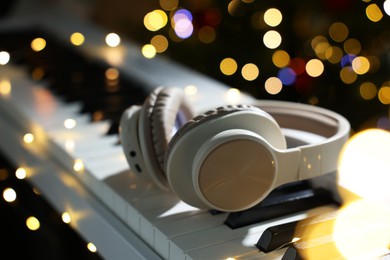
point(76, 161)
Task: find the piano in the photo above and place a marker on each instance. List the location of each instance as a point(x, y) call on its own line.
point(59, 115)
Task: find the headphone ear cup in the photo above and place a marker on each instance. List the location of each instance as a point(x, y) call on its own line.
point(164, 111)
point(185, 148)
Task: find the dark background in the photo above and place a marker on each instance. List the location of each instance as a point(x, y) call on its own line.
point(235, 37)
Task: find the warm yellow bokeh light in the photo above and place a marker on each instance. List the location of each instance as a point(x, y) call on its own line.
point(32, 223)
point(91, 247)
point(38, 44)
point(155, 20)
point(169, 5)
point(78, 165)
point(28, 138)
point(273, 85)
point(280, 58)
point(160, 43)
point(366, 152)
point(348, 75)
point(272, 39)
point(374, 13)
point(273, 17)
point(334, 54)
point(20, 173)
point(384, 95)
point(77, 38)
point(5, 87)
point(112, 74)
point(362, 230)
point(250, 71)
point(228, 66)
point(148, 51)
point(338, 32)
point(361, 65)
point(352, 46)
point(314, 67)
point(66, 217)
point(9, 195)
point(368, 90)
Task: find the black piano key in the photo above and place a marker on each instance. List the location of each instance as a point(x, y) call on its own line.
point(292, 254)
point(288, 204)
point(277, 236)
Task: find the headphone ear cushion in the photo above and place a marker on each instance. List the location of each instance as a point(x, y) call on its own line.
point(165, 110)
point(179, 168)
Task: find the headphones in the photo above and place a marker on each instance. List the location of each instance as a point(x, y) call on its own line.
point(232, 157)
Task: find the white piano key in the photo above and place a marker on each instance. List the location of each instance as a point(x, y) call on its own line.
point(166, 231)
point(179, 246)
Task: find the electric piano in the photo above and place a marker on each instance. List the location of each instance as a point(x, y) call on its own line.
point(59, 115)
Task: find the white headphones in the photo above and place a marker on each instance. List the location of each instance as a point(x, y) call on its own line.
point(232, 157)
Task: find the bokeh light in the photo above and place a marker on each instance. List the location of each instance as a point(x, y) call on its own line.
point(20, 173)
point(228, 66)
point(250, 71)
point(182, 23)
point(287, 76)
point(148, 51)
point(160, 43)
point(280, 58)
point(77, 38)
point(348, 75)
point(314, 68)
point(334, 54)
point(338, 32)
point(9, 195)
point(366, 152)
point(207, 34)
point(374, 13)
point(32, 223)
point(352, 46)
point(273, 17)
point(361, 65)
point(368, 90)
point(5, 87)
point(386, 7)
point(169, 5)
point(384, 95)
point(4, 57)
point(113, 40)
point(273, 85)
point(38, 44)
point(155, 20)
point(272, 39)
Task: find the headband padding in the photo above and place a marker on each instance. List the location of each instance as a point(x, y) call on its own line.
point(161, 110)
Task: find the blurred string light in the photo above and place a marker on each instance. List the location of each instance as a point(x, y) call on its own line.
point(149, 51)
point(77, 38)
point(169, 5)
point(272, 39)
point(155, 20)
point(273, 17)
point(112, 40)
point(33, 223)
point(5, 87)
point(374, 13)
point(182, 23)
point(160, 43)
point(4, 57)
point(386, 7)
point(250, 71)
point(9, 195)
point(228, 66)
point(38, 44)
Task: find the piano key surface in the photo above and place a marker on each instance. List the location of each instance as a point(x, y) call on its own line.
point(148, 211)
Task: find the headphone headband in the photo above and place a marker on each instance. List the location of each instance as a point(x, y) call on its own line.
point(316, 158)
